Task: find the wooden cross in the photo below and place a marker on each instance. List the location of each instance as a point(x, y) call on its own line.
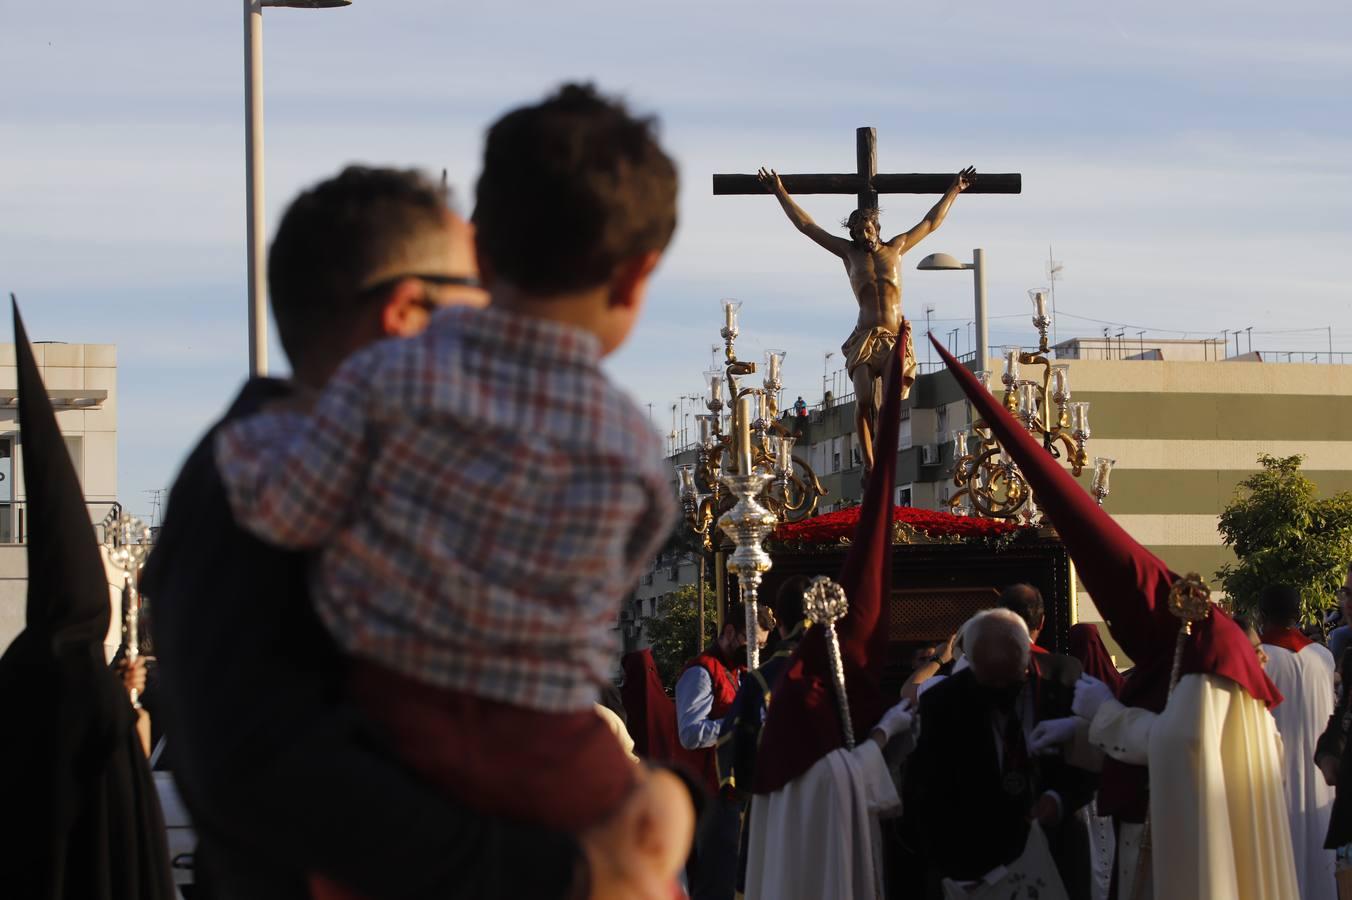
point(866, 182)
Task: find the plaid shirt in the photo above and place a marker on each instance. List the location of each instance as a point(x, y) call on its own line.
point(483, 496)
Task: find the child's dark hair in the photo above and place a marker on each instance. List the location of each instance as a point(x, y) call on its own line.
point(571, 187)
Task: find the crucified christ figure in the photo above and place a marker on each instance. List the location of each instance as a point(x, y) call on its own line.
point(874, 267)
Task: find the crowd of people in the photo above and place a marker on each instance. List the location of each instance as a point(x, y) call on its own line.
point(385, 588)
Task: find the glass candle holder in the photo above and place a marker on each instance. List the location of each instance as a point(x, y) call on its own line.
point(784, 455)
point(1011, 366)
point(1060, 384)
point(1039, 298)
point(686, 476)
point(774, 368)
point(1079, 420)
point(715, 379)
point(1028, 401)
point(730, 308)
point(1103, 467)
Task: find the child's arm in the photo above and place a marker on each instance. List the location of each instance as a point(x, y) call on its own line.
point(292, 479)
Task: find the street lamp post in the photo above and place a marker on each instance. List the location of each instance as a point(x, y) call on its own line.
point(944, 262)
point(256, 226)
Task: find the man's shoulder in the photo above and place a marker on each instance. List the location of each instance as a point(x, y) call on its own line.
point(1059, 668)
point(198, 512)
point(948, 693)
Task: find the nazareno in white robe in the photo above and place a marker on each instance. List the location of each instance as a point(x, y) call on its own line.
point(1218, 826)
point(1218, 819)
point(818, 836)
point(1305, 679)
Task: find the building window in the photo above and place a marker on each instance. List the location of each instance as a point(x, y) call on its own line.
point(903, 497)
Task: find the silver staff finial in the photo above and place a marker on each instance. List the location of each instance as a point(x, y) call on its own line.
point(825, 603)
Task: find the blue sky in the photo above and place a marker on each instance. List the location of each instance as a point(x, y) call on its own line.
point(1191, 164)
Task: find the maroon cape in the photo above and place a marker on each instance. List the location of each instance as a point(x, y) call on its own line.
point(1087, 647)
point(651, 713)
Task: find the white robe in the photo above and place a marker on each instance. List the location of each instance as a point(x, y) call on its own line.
point(1306, 682)
point(1217, 806)
point(818, 836)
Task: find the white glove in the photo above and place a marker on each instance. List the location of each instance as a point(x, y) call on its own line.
point(896, 720)
point(1049, 736)
point(1090, 694)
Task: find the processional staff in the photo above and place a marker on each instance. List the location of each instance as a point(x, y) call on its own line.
point(127, 540)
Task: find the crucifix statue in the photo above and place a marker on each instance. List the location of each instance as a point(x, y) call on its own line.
point(873, 265)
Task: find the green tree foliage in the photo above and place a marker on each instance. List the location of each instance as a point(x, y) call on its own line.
point(1283, 533)
point(673, 631)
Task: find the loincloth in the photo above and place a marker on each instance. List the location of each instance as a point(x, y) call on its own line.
point(871, 347)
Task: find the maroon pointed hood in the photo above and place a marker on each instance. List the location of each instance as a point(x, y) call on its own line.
point(1129, 584)
point(803, 723)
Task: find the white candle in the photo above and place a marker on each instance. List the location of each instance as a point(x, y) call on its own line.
point(763, 406)
point(744, 414)
point(715, 387)
point(1011, 366)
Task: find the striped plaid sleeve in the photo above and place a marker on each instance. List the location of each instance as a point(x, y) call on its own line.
point(658, 517)
point(292, 479)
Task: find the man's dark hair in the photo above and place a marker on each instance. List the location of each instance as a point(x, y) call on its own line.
point(735, 615)
point(572, 187)
point(1025, 600)
point(789, 601)
point(860, 216)
point(336, 235)
point(1279, 605)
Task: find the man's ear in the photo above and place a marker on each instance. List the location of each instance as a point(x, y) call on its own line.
point(401, 313)
point(631, 279)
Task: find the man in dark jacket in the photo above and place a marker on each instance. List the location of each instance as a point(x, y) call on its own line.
point(1331, 752)
point(283, 777)
point(973, 783)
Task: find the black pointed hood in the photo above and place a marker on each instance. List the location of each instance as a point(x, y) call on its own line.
point(67, 585)
point(82, 817)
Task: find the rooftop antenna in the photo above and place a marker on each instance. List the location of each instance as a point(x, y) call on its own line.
point(1054, 269)
point(154, 505)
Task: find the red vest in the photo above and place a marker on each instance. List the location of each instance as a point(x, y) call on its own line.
point(725, 679)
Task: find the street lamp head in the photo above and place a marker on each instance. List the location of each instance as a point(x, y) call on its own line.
point(305, 4)
point(940, 262)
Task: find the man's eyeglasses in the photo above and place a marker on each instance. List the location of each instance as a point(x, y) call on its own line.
point(385, 284)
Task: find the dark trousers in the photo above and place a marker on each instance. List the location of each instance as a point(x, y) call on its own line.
point(712, 869)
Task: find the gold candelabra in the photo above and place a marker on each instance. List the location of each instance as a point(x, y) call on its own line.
point(988, 480)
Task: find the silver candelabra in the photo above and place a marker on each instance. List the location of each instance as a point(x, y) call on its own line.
point(747, 525)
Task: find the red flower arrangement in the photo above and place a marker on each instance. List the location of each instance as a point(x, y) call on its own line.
point(934, 525)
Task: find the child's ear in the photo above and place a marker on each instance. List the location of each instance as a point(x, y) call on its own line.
point(631, 279)
point(400, 314)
